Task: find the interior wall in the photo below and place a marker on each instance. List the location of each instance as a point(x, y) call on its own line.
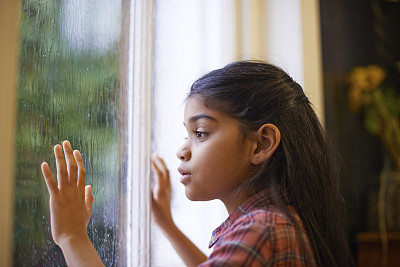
point(312, 56)
point(8, 67)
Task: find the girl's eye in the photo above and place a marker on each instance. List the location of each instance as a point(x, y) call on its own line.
point(199, 135)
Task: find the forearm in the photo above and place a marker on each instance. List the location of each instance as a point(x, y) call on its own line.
point(161, 210)
point(189, 253)
point(80, 252)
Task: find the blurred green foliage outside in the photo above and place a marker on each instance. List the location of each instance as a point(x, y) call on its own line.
point(64, 94)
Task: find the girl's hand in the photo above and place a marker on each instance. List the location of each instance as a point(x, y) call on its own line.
point(70, 201)
point(161, 194)
point(161, 210)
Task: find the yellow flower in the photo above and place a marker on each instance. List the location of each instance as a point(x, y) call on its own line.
point(355, 98)
point(358, 77)
point(366, 78)
point(375, 75)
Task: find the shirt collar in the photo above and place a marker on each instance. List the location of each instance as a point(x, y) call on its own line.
point(261, 199)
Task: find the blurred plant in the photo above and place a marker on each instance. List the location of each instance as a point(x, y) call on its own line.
point(379, 104)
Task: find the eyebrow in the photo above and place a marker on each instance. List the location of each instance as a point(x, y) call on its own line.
point(201, 116)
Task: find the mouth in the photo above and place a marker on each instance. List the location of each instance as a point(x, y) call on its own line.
point(185, 176)
point(183, 172)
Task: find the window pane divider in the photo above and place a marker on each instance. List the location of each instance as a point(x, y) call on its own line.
point(139, 132)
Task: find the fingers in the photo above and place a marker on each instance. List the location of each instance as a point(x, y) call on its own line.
point(71, 163)
point(69, 169)
point(49, 179)
point(158, 166)
point(62, 173)
point(81, 171)
point(155, 169)
point(88, 199)
point(161, 176)
point(158, 176)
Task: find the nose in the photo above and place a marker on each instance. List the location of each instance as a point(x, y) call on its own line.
point(183, 153)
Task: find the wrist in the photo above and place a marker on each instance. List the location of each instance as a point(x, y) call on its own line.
point(78, 250)
point(168, 227)
point(172, 232)
point(73, 240)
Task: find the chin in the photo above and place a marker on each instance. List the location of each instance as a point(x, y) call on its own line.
point(192, 196)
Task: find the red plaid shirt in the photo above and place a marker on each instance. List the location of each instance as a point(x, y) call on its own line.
point(259, 234)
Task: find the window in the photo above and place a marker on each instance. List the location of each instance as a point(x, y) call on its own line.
point(71, 86)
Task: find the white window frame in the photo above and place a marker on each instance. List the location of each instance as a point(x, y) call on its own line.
point(139, 132)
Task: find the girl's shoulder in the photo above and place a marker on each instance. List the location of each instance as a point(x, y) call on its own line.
point(260, 237)
point(266, 216)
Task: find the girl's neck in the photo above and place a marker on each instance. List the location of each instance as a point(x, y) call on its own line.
point(236, 198)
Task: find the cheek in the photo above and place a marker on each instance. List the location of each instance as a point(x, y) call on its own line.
point(221, 159)
point(209, 160)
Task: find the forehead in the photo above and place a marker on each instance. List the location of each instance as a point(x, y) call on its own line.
point(195, 103)
point(195, 107)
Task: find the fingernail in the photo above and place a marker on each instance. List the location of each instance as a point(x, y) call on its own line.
point(77, 153)
point(67, 143)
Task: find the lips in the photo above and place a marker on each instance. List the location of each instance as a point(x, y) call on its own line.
point(185, 175)
point(183, 172)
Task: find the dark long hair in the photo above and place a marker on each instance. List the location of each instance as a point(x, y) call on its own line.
point(305, 167)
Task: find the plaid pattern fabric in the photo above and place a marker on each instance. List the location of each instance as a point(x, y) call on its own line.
point(259, 234)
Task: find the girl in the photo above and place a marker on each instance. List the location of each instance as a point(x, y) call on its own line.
point(255, 143)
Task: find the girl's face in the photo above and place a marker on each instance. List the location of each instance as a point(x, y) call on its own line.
point(216, 155)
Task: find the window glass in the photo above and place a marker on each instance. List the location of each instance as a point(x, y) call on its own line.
point(191, 38)
point(69, 89)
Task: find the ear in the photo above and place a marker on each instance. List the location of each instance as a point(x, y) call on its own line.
point(267, 140)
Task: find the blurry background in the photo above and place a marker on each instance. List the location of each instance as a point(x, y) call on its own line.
point(360, 33)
